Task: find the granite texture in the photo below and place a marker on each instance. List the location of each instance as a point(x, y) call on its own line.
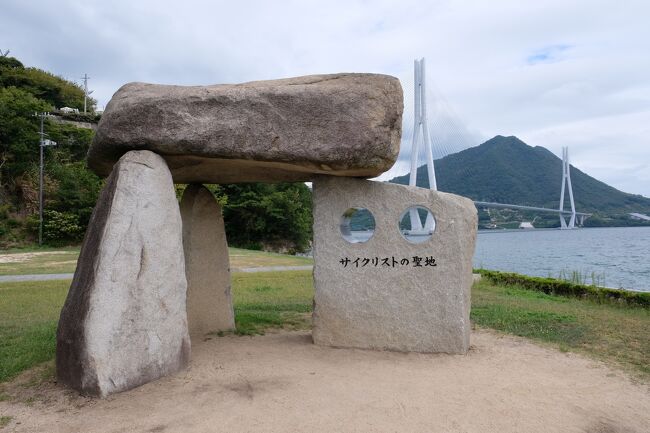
point(402, 308)
point(209, 302)
point(263, 131)
point(124, 321)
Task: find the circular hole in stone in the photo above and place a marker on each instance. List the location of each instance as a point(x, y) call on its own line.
point(357, 225)
point(417, 224)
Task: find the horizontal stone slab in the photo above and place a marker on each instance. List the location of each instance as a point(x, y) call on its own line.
point(262, 131)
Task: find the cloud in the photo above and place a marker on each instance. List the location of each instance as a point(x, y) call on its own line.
point(538, 70)
point(614, 149)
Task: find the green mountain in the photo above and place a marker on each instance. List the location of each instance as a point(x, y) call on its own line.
point(507, 170)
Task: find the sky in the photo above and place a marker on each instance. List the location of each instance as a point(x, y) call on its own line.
point(553, 73)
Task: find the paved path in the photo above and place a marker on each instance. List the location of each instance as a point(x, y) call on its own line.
point(34, 277)
point(49, 277)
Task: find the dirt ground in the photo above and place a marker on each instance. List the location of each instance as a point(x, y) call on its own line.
point(281, 382)
point(24, 257)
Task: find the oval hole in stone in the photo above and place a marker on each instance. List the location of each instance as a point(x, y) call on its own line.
point(417, 224)
point(357, 225)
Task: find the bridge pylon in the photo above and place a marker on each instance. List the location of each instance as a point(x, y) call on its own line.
point(566, 180)
point(421, 124)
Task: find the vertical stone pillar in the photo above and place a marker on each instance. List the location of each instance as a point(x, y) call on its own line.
point(386, 292)
point(207, 267)
point(124, 321)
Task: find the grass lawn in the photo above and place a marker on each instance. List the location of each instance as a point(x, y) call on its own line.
point(64, 260)
point(272, 299)
point(38, 261)
point(240, 258)
point(617, 334)
point(29, 312)
point(608, 332)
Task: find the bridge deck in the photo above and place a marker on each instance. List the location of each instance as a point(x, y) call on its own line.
point(516, 206)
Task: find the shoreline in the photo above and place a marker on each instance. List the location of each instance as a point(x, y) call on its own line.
point(547, 229)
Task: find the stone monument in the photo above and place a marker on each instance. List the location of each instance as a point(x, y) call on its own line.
point(151, 273)
point(209, 303)
point(387, 292)
point(124, 321)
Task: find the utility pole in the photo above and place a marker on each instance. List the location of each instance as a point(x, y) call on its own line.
point(41, 144)
point(85, 78)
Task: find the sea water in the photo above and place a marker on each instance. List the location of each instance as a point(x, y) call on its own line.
point(608, 257)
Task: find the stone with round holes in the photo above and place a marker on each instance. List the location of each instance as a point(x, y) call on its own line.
point(388, 292)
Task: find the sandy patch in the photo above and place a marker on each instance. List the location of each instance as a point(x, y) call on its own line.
point(53, 264)
point(283, 383)
point(24, 257)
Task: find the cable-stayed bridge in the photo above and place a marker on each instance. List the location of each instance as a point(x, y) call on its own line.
point(574, 217)
point(459, 138)
point(577, 217)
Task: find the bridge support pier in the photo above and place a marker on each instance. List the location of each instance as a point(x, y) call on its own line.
point(566, 180)
point(421, 122)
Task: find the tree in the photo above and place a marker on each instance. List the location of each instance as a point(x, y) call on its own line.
point(41, 84)
point(275, 216)
point(18, 133)
point(9, 62)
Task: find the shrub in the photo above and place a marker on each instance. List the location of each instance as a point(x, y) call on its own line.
point(61, 227)
point(4, 211)
point(566, 288)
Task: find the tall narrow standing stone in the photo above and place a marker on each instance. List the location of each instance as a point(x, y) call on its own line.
point(209, 303)
point(124, 321)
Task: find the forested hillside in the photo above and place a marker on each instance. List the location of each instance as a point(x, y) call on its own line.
point(257, 215)
point(507, 170)
point(70, 189)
